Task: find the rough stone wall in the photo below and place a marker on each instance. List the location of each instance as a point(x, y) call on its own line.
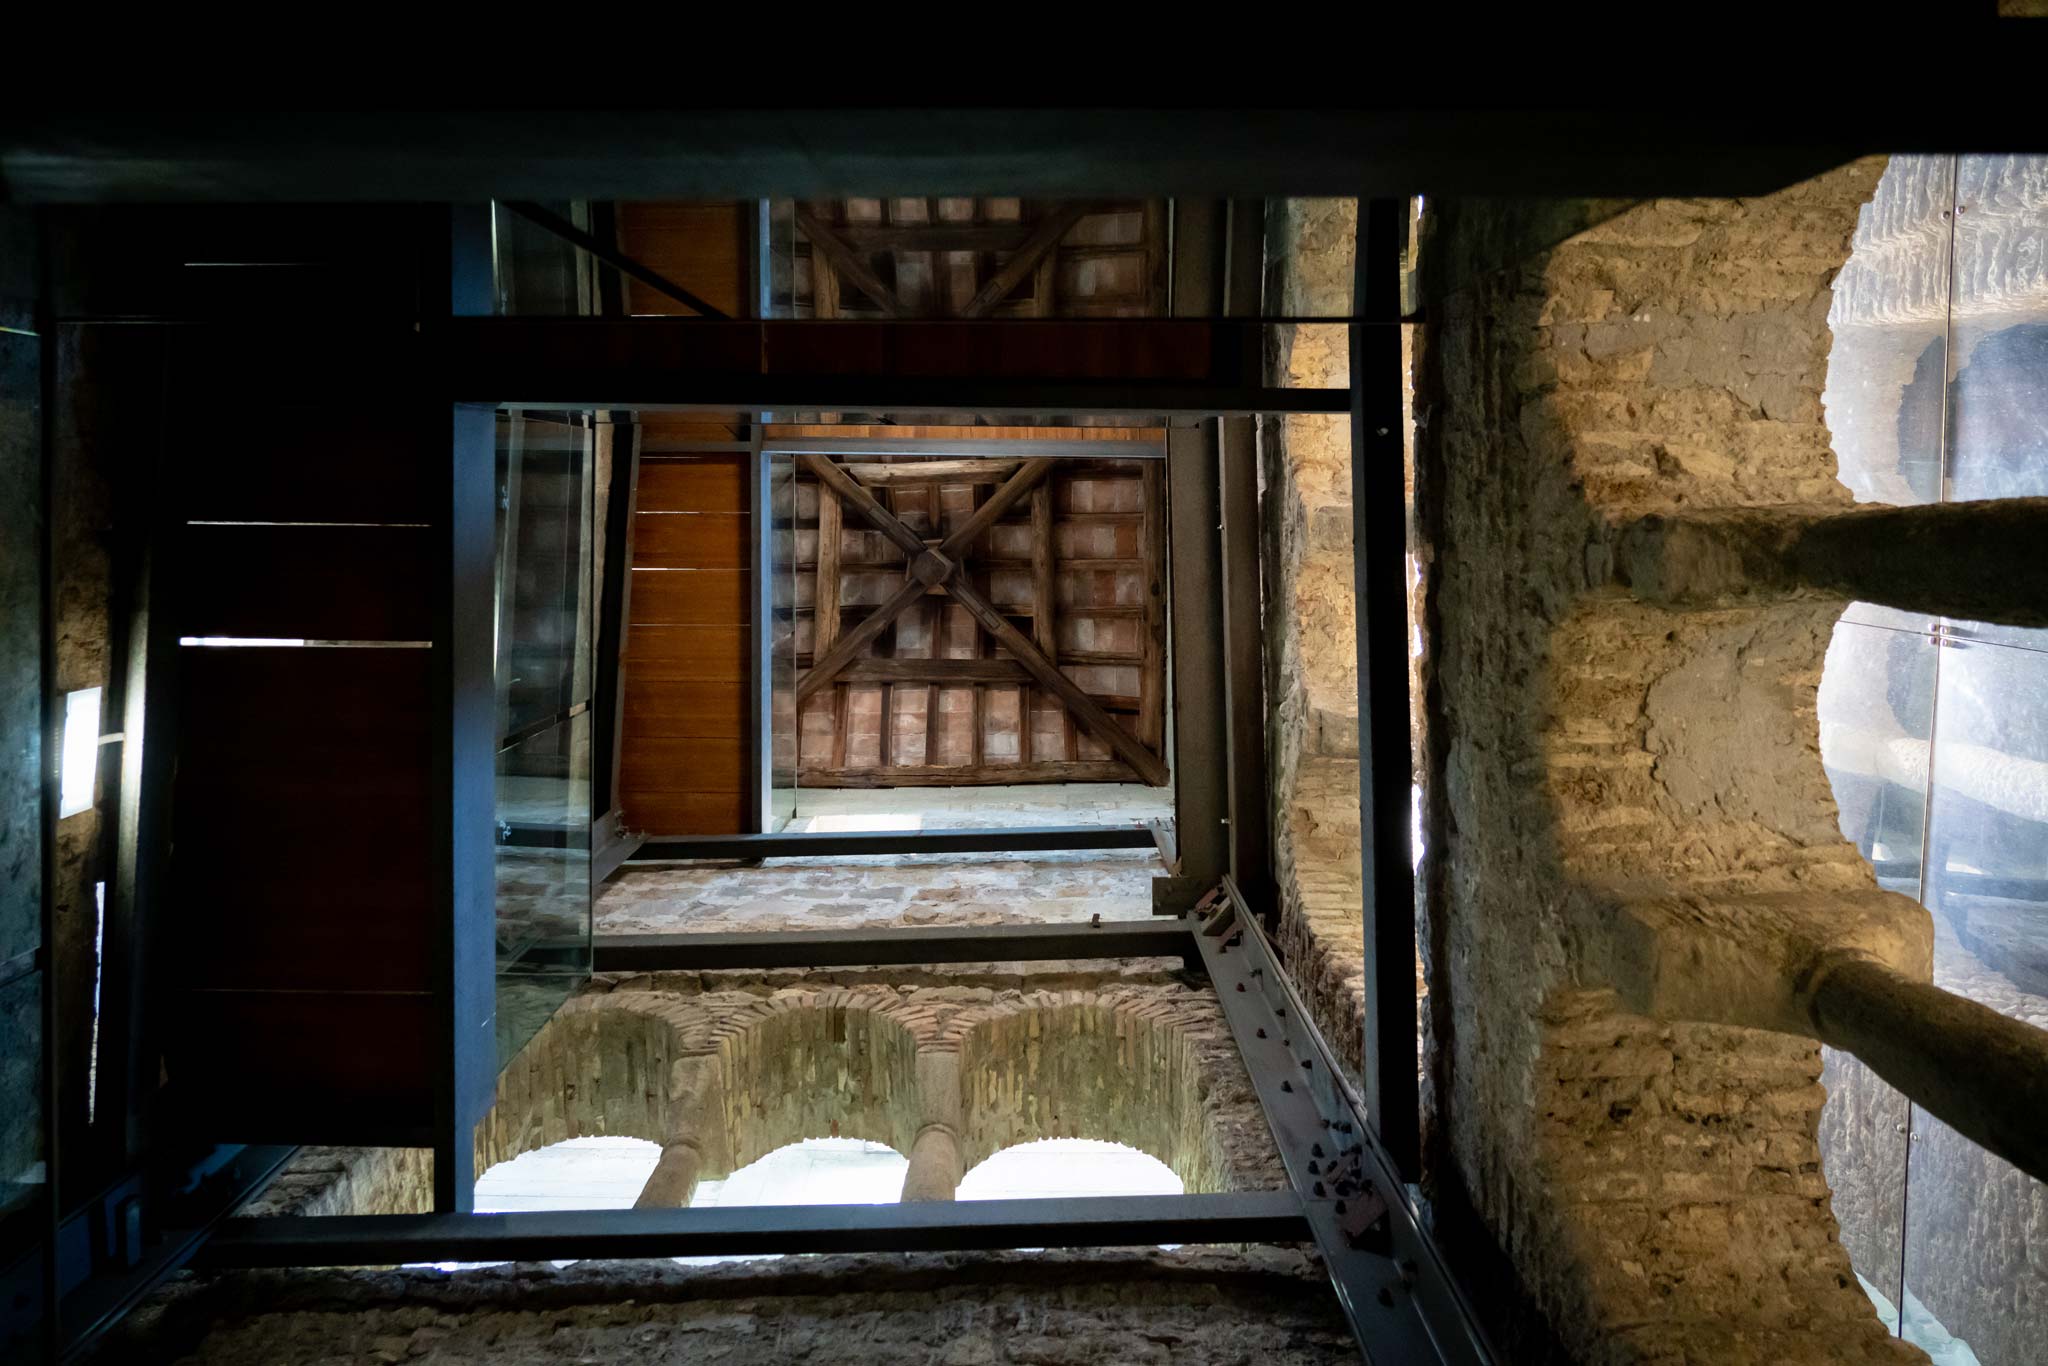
point(1656, 1186)
point(742, 1064)
point(1186, 1308)
point(1312, 652)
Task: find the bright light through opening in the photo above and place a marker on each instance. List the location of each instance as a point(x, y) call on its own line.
point(81, 750)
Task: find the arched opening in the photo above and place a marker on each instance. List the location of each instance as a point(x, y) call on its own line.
point(814, 1171)
point(1053, 1168)
point(577, 1173)
point(1102, 1069)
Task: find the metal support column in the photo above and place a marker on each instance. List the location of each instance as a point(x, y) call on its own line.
point(1249, 835)
point(761, 693)
point(465, 744)
point(1379, 511)
point(1196, 651)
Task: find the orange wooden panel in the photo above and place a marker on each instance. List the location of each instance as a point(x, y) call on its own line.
point(702, 765)
point(710, 483)
point(702, 653)
point(661, 432)
point(698, 246)
point(671, 709)
point(690, 540)
point(686, 813)
point(692, 597)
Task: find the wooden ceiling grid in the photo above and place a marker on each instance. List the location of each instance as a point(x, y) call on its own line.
point(1010, 620)
point(974, 258)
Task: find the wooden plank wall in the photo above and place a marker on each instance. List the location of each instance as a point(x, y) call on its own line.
point(684, 764)
point(685, 746)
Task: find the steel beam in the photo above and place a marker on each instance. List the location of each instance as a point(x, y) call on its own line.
point(619, 436)
point(1247, 839)
point(818, 844)
point(724, 150)
point(895, 947)
point(1089, 367)
point(968, 449)
point(1391, 1281)
point(1386, 760)
point(966, 1226)
point(1201, 804)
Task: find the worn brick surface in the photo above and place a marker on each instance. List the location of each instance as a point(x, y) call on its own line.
point(1656, 1186)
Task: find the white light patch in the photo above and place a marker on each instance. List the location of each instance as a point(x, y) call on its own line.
point(229, 641)
point(81, 751)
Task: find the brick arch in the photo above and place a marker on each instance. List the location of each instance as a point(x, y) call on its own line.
point(604, 1065)
point(1152, 1073)
point(818, 1064)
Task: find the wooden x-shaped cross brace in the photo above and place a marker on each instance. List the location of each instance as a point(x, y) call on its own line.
point(929, 567)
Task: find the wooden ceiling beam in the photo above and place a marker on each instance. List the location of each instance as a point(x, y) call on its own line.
point(1025, 259)
point(932, 471)
point(1149, 767)
point(849, 264)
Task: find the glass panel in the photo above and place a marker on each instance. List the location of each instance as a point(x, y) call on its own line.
point(22, 593)
point(1998, 423)
point(536, 273)
point(782, 643)
point(544, 575)
point(21, 1095)
point(544, 893)
point(1889, 317)
point(1876, 712)
point(1974, 1225)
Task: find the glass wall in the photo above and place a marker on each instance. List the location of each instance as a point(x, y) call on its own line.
point(1935, 731)
point(780, 604)
point(545, 620)
point(24, 1217)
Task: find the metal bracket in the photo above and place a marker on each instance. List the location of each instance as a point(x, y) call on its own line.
point(1390, 1279)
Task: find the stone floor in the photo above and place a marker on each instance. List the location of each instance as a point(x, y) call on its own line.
point(980, 808)
point(843, 893)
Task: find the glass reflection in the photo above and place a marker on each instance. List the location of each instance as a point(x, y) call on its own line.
point(21, 1093)
point(1876, 716)
point(1935, 733)
point(545, 620)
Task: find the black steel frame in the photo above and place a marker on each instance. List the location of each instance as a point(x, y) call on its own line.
point(1389, 1280)
point(814, 844)
point(1379, 529)
point(634, 953)
point(969, 1226)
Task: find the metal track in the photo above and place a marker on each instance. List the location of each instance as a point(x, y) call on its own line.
point(1390, 1280)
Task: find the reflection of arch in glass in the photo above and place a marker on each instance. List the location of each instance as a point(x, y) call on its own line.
point(1999, 425)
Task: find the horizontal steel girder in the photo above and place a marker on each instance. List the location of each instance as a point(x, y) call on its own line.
point(970, 1225)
